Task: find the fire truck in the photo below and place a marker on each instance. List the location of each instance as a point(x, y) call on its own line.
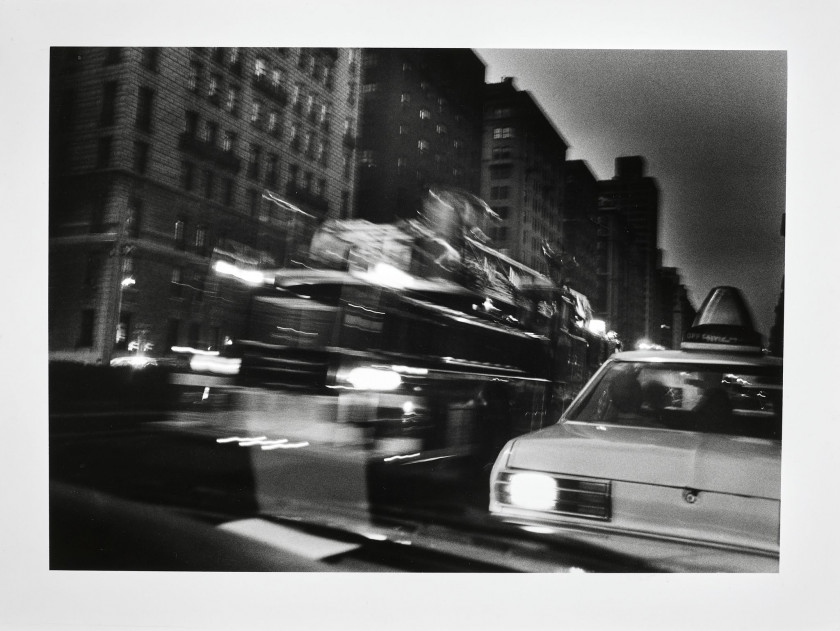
point(414, 341)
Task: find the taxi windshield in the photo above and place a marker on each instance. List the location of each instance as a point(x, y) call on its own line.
point(721, 399)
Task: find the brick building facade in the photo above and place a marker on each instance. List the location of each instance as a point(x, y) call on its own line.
point(162, 160)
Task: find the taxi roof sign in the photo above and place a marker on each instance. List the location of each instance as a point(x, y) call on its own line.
point(723, 323)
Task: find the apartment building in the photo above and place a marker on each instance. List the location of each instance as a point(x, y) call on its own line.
point(165, 160)
point(523, 163)
point(421, 128)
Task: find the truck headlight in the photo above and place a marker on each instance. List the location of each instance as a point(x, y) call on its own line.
point(374, 379)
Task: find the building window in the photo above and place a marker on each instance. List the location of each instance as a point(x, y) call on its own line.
point(441, 129)
point(256, 112)
point(293, 175)
point(370, 88)
point(193, 78)
point(321, 187)
point(425, 114)
point(209, 184)
point(190, 123)
point(368, 158)
point(405, 98)
point(176, 283)
point(228, 141)
point(200, 240)
point(86, 330)
point(502, 132)
point(103, 152)
point(132, 220)
point(501, 153)
point(276, 78)
point(254, 155)
point(260, 67)
point(307, 143)
point(401, 166)
point(178, 237)
point(294, 137)
point(422, 146)
point(233, 56)
point(208, 132)
point(145, 103)
point(141, 156)
point(231, 99)
point(322, 153)
point(500, 171)
point(346, 165)
point(271, 170)
point(187, 175)
point(109, 102)
point(227, 191)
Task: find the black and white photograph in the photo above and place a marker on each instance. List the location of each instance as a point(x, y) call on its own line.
point(326, 326)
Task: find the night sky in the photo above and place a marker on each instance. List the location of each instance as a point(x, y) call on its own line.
point(711, 127)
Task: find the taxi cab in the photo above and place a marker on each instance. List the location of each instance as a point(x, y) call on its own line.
point(679, 446)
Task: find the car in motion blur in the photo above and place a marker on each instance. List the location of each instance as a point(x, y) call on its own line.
point(663, 446)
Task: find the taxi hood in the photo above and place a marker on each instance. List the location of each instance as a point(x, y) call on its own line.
point(706, 462)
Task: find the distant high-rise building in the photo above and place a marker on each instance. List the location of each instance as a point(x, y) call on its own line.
point(619, 299)
point(675, 313)
point(580, 228)
point(163, 160)
point(421, 127)
point(635, 197)
point(523, 159)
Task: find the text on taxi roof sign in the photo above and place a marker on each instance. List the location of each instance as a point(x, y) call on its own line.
point(723, 323)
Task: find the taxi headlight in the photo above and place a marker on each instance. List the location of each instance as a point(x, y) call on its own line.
point(532, 490)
